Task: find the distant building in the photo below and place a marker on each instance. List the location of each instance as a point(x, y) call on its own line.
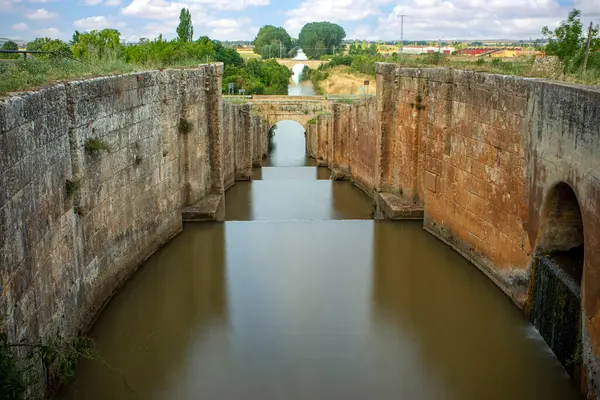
point(427, 49)
point(503, 52)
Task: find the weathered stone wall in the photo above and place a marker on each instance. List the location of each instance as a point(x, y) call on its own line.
point(483, 154)
point(240, 124)
point(563, 146)
point(361, 146)
point(318, 134)
point(312, 138)
point(260, 133)
point(402, 119)
point(229, 122)
point(76, 222)
point(469, 156)
point(38, 263)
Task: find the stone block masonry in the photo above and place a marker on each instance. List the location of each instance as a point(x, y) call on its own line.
point(489, 161)
point(93, 177)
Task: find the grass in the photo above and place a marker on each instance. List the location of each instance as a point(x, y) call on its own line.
point(236, 100)
point(26, 74)
point(19, 75)
point(249, 55)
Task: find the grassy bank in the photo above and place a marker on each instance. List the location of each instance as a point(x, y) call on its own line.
point(346, 74)
point(21, 75)
point(342, 80)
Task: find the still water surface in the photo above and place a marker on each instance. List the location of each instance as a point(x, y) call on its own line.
point(297, 87)
point(301, 296)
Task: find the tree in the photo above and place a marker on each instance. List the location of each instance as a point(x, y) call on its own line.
point(57, 46)
point(9, 45)
point(185, 30)
point(269, 39)
point(227, 55)
point(98, 44)
point(568, 42)
point(318, 38)
point(75, 38)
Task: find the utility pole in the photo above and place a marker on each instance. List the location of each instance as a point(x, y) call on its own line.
point(402, 32)
point(587, 48)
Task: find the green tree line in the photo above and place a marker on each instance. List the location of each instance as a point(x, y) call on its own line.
point(103, 51)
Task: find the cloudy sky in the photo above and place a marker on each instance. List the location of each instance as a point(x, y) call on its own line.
point(240, 19)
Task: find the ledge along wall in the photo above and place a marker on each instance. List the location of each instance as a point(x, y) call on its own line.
point(76, 222)
point(482, 155)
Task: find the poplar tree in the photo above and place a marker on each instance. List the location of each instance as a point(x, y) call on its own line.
point(185, 30)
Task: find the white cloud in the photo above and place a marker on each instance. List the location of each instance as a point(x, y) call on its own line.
point(97, 22)
point(39, 1)
point(41, 13)
point(162, 9)
point(21, 26)
point(112, 3)
point(49, 32)
point(230, 29)
point(92, 2)
point(471, 19)
point(332, 11)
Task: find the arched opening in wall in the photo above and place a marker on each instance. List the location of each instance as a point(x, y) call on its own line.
point(287, 145)
point(554, 303)
point(562, 231)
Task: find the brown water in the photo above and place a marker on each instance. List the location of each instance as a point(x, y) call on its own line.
point(312, 300)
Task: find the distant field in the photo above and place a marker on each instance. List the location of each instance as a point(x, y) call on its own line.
point(248, 54)
point(342, 81)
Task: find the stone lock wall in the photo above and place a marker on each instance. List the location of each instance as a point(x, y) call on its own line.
point(246, 140)
point(481, 154)
point(318, 134)
point(75, 222)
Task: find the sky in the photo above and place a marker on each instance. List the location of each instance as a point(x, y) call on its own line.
point(241, 19)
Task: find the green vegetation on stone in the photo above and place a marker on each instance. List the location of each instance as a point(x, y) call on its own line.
point(56, 356)
point(72, 187)
point(93, 145)
point(185, 126)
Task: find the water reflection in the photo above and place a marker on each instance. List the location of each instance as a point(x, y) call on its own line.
point(289, 147)
point(473, 343)
point(176, 302)
point(297, 86)
point(316, 310)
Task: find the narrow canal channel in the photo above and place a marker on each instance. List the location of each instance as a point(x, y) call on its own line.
point(301, 295)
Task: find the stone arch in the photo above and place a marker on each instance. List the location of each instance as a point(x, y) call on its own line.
point(561, 224)
point(304, 124)
point(554, 304)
